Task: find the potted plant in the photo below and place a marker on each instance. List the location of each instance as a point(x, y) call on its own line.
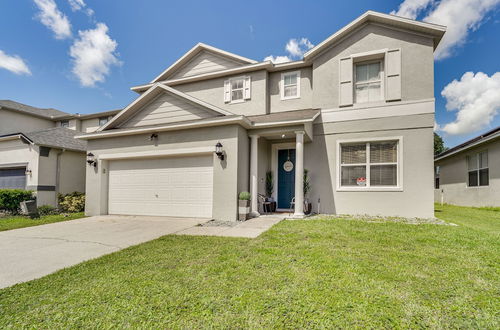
point(243, 205)
point(269, 192)
point(307, 188)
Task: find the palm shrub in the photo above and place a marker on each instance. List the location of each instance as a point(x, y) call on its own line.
point(11, 198)
point(269, 183)
point(73, 202)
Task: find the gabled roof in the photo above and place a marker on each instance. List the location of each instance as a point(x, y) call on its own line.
point(148, 96)
point(47, 113)
point(57, 137)
point(434, 30)
point(196, 50)
point(478, 140)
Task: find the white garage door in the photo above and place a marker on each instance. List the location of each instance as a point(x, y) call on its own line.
point(178, 187)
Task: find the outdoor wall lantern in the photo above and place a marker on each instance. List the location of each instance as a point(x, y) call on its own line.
point(28, 172)
point(153, 137)
point(91, 159)
point(218, 151)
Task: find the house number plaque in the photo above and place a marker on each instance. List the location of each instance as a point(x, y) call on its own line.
point(288, 166)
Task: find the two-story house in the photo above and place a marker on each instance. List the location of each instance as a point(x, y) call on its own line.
point(38, 150)
point(357, 111)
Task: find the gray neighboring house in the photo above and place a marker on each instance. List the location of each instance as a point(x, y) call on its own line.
point(469, 174)
point(357, 111)
point(38, 150)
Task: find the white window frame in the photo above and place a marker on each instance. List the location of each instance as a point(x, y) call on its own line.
point(478, 169)
point(282, 85)
point(231, 101)
point(381, 80)
point(399, 165)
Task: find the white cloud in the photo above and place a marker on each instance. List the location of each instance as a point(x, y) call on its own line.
point(13, 63)
point(295, 48)
point(476, 97)
point(53, 18)
point(93, 53)
point(411, 8)
point(459, 16)
point(277, 59)
point(76, 4)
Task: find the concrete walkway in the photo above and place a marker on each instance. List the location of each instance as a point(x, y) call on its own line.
point(248, 229)
point(33, 252)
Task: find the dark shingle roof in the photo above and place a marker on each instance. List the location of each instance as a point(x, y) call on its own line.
point(475, 141)
point(47, 113)
point(58, 137)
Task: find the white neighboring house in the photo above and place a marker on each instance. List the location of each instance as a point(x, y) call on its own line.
point(357, 111)
point(38, 150)
point(469, 174)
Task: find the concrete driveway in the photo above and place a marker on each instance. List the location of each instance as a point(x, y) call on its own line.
point(33, 252)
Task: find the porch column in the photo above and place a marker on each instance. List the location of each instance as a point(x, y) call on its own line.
point(299, 175)
point(254, 206)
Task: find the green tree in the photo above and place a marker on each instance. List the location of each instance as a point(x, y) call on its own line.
point(438, 144)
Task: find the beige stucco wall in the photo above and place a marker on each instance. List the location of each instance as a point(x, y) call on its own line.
point(417, 63)
point(15, 122)
point(227, 173)
point(416, 197)
point(89, 125)
point(453, 178)
point(274, 92)
point(72, 172)
point(212, 91)
point(15, 152)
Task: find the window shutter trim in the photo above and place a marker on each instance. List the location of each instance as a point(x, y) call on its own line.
point(393, 74)
point(346, 82)
point(247, 88)
point(227, 91)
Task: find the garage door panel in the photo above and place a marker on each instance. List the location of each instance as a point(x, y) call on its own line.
point(168, 187)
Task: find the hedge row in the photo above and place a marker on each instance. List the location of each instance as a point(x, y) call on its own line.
point(10, 199)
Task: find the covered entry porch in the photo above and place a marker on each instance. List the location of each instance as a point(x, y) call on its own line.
point(279, 150)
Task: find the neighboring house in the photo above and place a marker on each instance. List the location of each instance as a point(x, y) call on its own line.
point(469, 174)
point(38, 150)
point(357, 111)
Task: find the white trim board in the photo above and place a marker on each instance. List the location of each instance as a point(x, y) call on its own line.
point(158, 153)
point(377, 111)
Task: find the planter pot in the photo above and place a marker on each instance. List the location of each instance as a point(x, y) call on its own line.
point(243, 209)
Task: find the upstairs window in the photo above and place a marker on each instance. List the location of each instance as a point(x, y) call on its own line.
point(103, 120)
point(370, 164)
point(64, 123)
point(368, 82)
point(478, 171)
point(237, 89)
point(290, 85)
point(436, 177)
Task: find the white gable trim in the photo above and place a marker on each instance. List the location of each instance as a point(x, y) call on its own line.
point(194, 51)
point(434, 30)
point(146, 95)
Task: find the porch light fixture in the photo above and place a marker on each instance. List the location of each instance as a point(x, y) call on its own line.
point(28, 172)
point(153, 136)
point(218, 151)
point(91, 159)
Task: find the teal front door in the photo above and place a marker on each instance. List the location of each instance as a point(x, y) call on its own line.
point(286, 177)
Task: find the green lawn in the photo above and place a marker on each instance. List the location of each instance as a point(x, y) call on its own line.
point(14, 222)
point(300, 274)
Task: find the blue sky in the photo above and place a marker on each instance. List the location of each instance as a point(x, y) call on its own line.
point(47, 56)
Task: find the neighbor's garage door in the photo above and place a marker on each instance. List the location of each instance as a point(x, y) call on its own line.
point(14, 178)
point(178, 187)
